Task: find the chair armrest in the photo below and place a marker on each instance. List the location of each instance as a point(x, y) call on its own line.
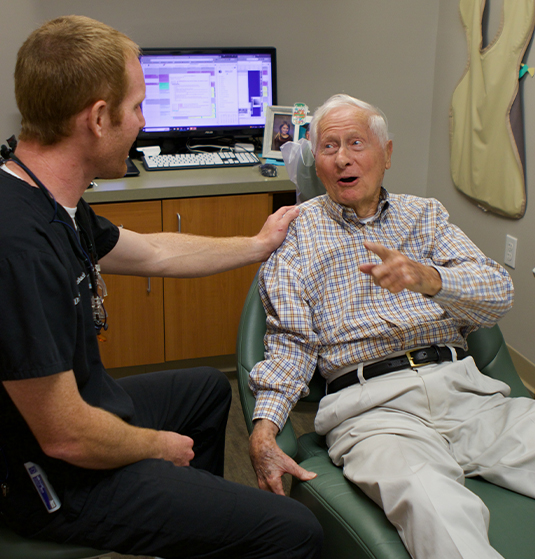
point(489, 350)
point(249, 351)
point(286, 439)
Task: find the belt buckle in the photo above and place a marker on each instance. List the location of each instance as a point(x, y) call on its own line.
point(414, 365)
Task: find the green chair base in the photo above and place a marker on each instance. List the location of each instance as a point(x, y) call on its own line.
point(13, 546)
point(511, 519)
point(354, 527)
point(369, 535)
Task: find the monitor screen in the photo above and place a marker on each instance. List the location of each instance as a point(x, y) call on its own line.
point(203, 93)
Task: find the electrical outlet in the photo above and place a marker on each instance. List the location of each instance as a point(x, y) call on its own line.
point(510, 251)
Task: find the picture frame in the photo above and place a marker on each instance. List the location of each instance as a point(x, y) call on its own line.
point(277, 117)
point(302, 129)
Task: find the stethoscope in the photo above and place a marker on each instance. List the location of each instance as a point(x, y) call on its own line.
point(90, 262)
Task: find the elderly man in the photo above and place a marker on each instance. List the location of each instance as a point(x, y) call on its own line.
point(380, 291)
point(133, 465)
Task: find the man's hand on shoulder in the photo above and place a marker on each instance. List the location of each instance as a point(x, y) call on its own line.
point(398, 272)
point(274, 230)
point(269, 462)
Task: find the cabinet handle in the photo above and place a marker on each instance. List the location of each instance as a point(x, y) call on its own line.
point(148, 285)
point(179, 219)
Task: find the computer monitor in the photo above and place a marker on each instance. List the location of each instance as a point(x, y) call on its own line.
point(206, 94)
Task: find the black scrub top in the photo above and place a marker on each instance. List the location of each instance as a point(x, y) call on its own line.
point(46, 321)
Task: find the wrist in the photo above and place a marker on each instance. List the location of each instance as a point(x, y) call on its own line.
point(434, 284)
point(265, 428)
point(260, 249)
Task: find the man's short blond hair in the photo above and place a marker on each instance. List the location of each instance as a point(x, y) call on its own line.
point(63, 67)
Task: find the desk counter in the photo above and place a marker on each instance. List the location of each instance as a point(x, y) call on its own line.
point(188, 183)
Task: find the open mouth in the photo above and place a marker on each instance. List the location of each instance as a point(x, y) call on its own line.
point(348, 180)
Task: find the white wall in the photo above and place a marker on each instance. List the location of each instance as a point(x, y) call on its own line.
point(16, 23)
point(369, 49)
point(404, 56)
point(486, 230)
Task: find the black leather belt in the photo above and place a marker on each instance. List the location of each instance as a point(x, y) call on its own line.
point(411, 359)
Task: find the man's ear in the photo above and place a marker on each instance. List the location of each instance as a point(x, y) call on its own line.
point(388, 153)
point(97, 117)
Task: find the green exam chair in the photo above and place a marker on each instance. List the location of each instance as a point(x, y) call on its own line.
point(355, 527)
point(13, 546)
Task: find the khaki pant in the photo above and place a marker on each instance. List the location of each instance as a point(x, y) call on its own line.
point(409, 438)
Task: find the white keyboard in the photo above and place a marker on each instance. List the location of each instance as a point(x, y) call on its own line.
point(199, 160)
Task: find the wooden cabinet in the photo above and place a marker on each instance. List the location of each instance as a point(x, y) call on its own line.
point(202, 314)
point(135, 334)
point(177, 319)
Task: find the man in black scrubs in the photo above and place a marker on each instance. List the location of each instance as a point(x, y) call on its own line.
point(133, 465)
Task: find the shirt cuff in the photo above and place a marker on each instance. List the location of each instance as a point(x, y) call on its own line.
point(449, 292)
point(272, 406)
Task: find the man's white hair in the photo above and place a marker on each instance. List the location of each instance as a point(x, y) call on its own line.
point(377, 120)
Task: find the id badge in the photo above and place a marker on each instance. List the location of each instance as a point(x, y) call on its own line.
point(45, 490)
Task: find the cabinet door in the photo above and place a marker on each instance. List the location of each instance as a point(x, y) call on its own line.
point(202, 314)
point(134, 305)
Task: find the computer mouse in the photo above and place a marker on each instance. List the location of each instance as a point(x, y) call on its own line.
point(268, 170)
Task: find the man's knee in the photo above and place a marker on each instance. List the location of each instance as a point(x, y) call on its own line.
point(212, 381)
point(310, 530)
point(292, 532)
point(218, 380)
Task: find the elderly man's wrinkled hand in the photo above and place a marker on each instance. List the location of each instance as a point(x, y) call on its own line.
point(397, 272)
point(269, 462)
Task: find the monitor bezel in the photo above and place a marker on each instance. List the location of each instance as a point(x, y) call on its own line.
point(228, 133)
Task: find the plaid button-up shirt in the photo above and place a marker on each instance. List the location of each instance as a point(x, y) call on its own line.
point(322, 311)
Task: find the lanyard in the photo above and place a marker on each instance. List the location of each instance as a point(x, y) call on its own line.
point(88, 254)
